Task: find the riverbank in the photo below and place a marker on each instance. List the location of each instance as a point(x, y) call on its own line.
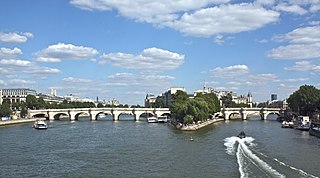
point(18, 121)
point(195, 127)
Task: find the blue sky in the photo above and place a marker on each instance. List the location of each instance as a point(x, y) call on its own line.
point(126, 49)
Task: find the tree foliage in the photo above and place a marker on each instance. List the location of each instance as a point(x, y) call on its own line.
point(305, 101)
point(228, 103)
point(5, 109)
point(198, 108)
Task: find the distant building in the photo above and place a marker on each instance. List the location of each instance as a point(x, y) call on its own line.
point(167, 96)
point(204, 91)
point(242, 99)
point(149, 100)
point(16, 94)
point(51, 98)
point(278, 104)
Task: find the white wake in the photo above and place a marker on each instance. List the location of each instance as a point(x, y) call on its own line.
point(241, 149)
point(243, 152)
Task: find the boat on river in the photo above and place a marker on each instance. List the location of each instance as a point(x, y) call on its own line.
point(40, 125)
point(303, 123)
point(242, 135)
point(287, 124)
point(162, 119)
point(152, 119)
point(315, 130)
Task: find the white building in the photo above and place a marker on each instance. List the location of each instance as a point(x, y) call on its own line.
point(149, 100)
point(16, 94)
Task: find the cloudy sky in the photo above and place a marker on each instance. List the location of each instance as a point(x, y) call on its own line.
point(127, 48)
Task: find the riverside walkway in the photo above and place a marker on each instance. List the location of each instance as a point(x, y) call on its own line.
point(18, 121)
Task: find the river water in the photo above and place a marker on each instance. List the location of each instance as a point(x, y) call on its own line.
point(137, 149)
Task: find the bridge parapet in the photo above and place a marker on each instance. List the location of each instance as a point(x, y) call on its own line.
point(73, 113)
point(244, 112)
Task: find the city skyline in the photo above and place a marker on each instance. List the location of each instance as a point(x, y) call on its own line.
point(126, 49)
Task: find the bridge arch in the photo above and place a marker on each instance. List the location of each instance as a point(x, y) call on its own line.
point(269, 113)
point(40, 115)
point(57, 116)
point(103, 113)
point(126, 114)
point(76, 116)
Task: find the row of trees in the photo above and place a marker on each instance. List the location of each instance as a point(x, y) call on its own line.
point(188, 110)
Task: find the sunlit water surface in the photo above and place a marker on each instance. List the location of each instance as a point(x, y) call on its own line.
point(137, 149)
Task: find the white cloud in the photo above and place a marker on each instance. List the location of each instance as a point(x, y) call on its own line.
point(13, 37)
point(19, 82)
point(15, 62)
point(146, 10)
point(219, 39)
point(304, 43)
point(291, 8)
point(192, 17)
point(61, 51)
point(42, 70)
point(234, 83)
point(139, 80)
point(315, 8)
point(296, 80)
point(263, 77)
point(230, 71)
point(154, 59)
point(304, 66)
point(314, 23)
point(9, 53)
point(231, 18)
point(264, 2)
point(76, 80)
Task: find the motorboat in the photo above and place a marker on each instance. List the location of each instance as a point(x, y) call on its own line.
point(303, 123)
point(40, 125)
point(287, 124)
point(162, 119)
point(152, 119)
point(315, 130)
point(242, 135)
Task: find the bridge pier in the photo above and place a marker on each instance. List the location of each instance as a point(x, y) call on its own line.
point(137, 114)
point(72, 116)
point(115, 115)
point(50, 116)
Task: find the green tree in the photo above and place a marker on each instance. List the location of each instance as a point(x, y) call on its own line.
point(305, 101)
point(212, 101)
point(31, 101)
point(227, 101)
point(182, 106)
point(159, 103)
point(100, 105)
point(188, 119)
point(5, 109)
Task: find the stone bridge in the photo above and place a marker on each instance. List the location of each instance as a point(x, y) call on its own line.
point(244, 112)
point(74, 113)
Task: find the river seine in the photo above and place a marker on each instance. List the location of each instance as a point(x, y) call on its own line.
point(105, 148)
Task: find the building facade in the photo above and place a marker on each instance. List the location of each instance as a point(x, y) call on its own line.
point(149, 100)
point(167, 96)
point(16, 94)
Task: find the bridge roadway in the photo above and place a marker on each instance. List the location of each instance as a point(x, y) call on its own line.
point(245, 112)
point(74, 113)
